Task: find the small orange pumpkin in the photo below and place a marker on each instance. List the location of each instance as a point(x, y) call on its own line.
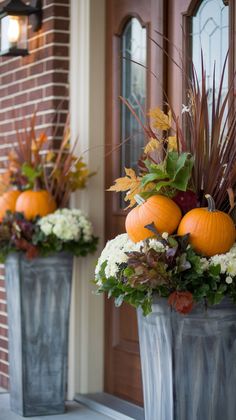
point(35, 203)
point(158, 209)
point(8, 202)
point(211, 231)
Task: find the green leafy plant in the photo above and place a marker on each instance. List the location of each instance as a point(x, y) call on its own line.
point(64, 230)
point(35, 164)
point(174, 172)
point(164, 267)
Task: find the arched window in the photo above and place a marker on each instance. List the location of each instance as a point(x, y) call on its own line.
point(210, 33)
point(133, 89)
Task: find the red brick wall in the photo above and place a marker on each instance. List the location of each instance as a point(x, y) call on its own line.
point(36, 82)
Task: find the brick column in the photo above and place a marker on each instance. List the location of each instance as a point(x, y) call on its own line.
point(36, 82)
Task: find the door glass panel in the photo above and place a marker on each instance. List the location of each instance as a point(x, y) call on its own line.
point(133, 89)
point(210, 32)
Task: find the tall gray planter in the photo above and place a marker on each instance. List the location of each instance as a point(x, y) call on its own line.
point(189, 362)
point(38, 297)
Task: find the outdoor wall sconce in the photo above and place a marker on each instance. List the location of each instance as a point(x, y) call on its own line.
point(14, 16)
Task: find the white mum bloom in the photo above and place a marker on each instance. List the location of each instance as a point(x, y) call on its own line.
point(156, 245)
point(227, 262)
point(165, 235)
point(46, 227)
point(229, 280)
point(115, 254)
point(66, 229)
point(231, 269)
point(67, 225)
point(204, 264)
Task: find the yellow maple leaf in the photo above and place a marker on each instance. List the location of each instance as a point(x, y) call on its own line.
point(130, 183)
point(125, 183)
point(152, 145)
point(34, 146)
point(50, 156)
point(131, 197)
point(5, 181)
point(13, 159)
point(172, 143)
point(160, 119)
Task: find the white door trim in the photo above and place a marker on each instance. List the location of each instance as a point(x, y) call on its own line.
point(87, 107)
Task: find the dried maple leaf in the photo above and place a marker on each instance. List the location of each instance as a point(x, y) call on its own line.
point(172, 143)
point(5, 180)
point(31, 250)
point(13, 159)
point(50, 156)
point(182, 302)
point(160, 121)
point(130, 183)
point(152, 145)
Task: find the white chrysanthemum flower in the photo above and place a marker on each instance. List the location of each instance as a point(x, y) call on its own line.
point(231, 269)
point(46, 228)
point(204, 264)
point(67, 225)
point(156, 245)
point(226, 261)
point(229, 280)
point(115, 254)
point(165, 235)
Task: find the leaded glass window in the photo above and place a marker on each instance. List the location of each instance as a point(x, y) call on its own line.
point(210, 32)
point(133, 89)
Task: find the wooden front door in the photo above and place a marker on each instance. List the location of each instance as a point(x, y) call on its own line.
point(130, 25)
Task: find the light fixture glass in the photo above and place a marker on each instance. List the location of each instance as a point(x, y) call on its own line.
point(13, 35)
point(14, 24)
point(13, 32)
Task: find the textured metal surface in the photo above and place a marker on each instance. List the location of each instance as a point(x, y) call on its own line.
point(74, 411)
point(38, 297)
point(189, 362)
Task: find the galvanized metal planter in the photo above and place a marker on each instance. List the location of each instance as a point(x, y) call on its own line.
point(189, 362)
point(38, 297)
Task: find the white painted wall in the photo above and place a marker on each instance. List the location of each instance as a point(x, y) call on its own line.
point(87, 92)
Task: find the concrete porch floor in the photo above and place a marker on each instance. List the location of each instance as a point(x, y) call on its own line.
point(75, 411)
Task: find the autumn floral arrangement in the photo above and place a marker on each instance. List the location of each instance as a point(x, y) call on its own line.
point(180, 233)
point(36, 184)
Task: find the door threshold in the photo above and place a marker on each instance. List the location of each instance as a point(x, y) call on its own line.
point(112, 406)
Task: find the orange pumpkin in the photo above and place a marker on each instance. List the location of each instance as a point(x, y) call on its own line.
point(35, 203)
point(8, 202)
point(158, 209)
point(211, 231)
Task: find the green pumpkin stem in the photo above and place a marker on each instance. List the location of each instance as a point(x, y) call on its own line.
point(139, 199)
point(210, 202)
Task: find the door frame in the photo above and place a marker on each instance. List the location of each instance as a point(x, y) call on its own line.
point(87, 110)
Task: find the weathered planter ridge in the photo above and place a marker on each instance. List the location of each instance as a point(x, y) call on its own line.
point(189, 362)
point(38, 296)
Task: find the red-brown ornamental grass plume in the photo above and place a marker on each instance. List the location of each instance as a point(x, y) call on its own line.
point(35, 164)
point(208, 133)
point(211, 139)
